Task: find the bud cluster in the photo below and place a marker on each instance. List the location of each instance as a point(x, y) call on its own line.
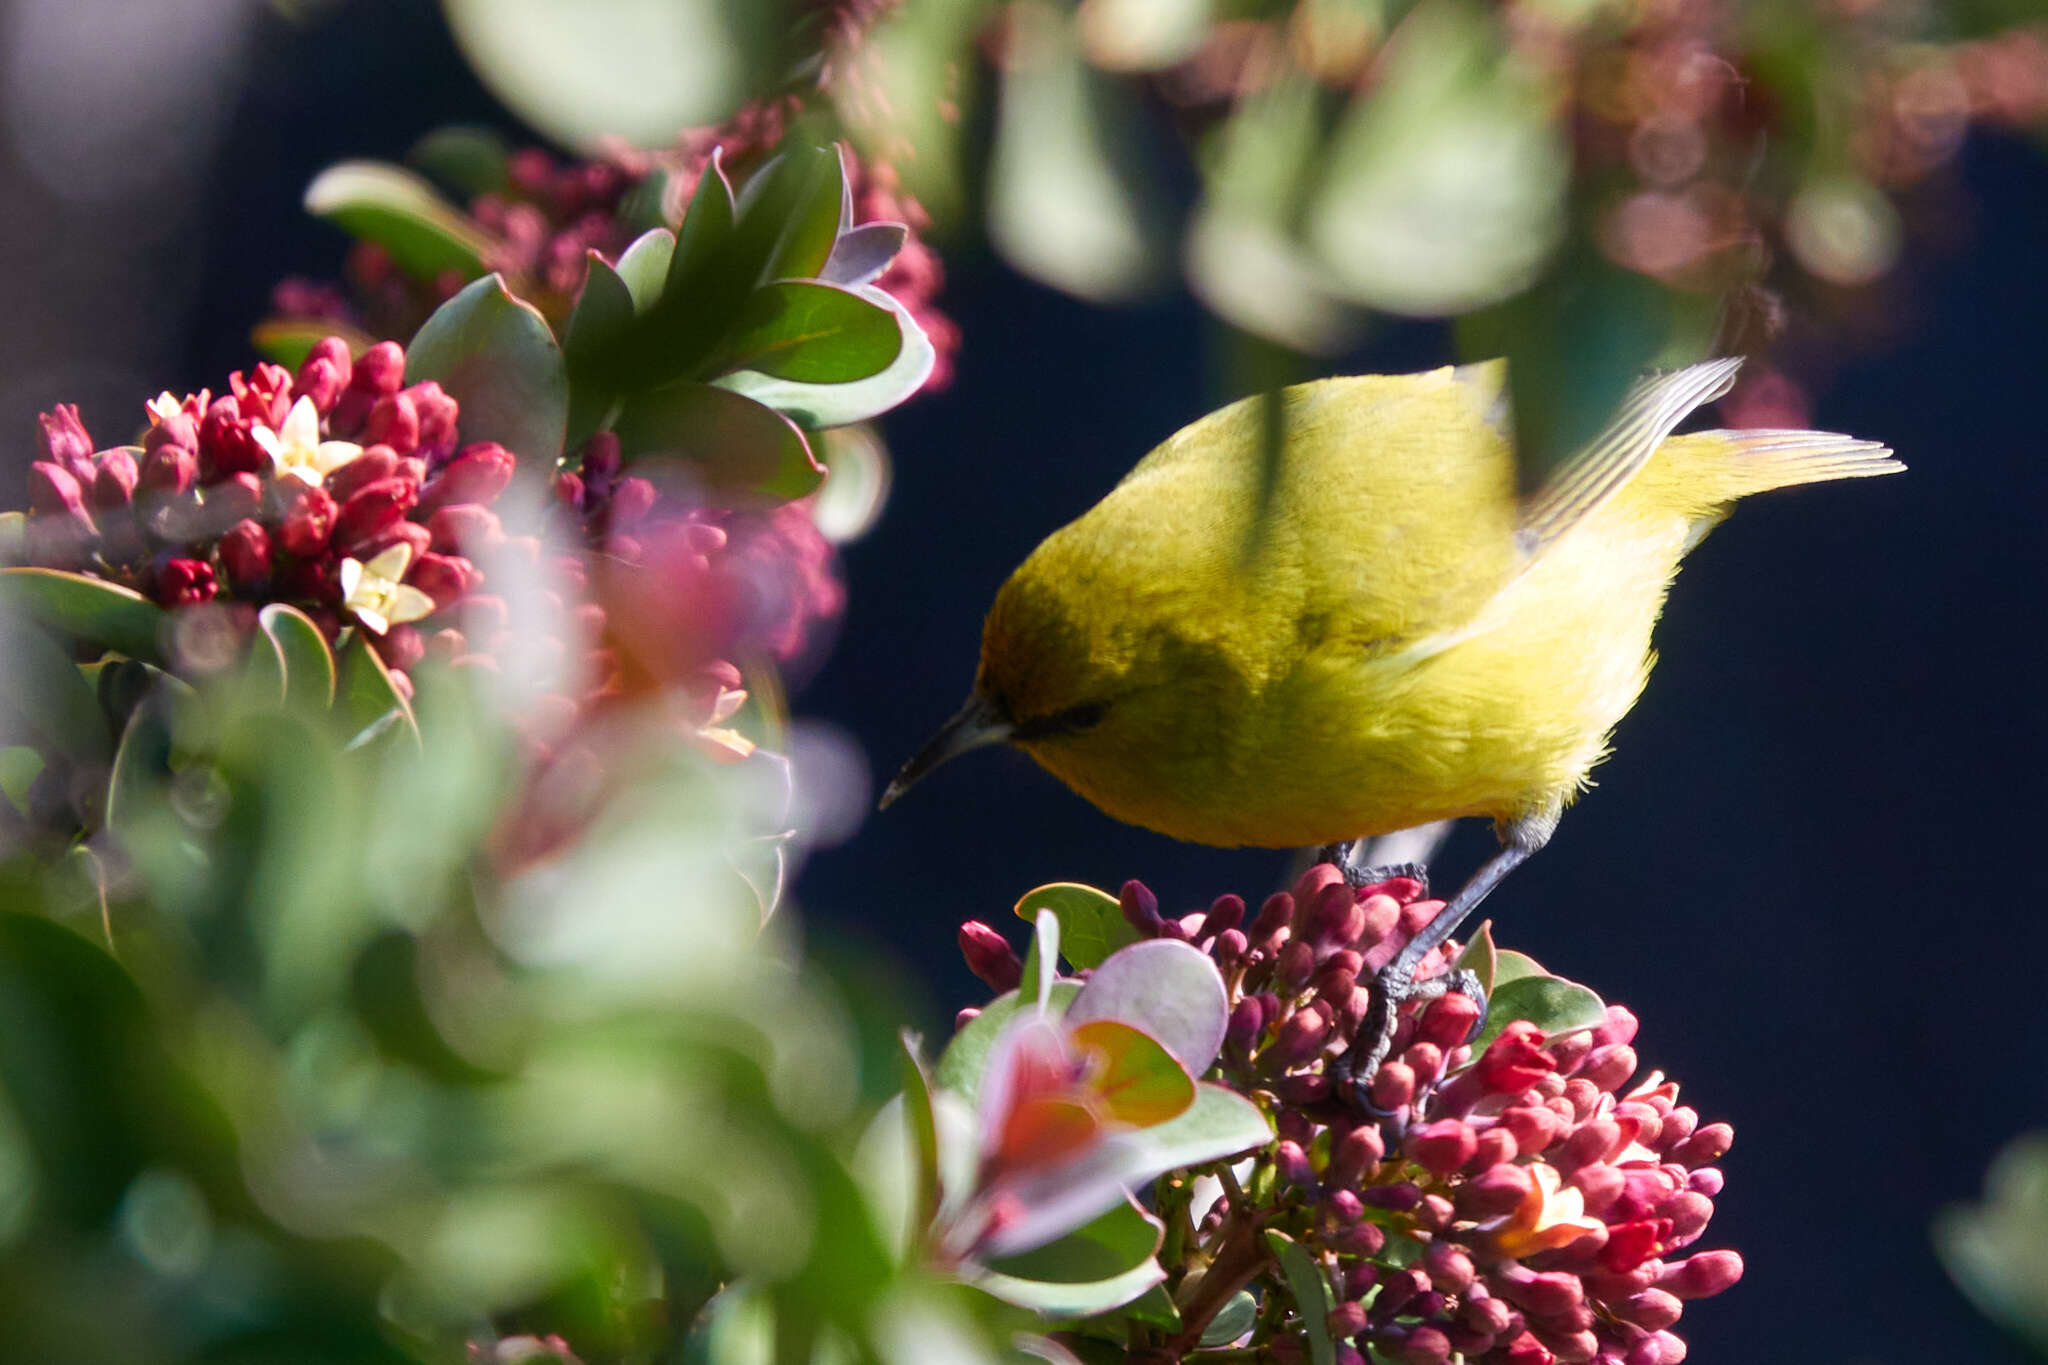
point(339, 489)
point(1524, 1206)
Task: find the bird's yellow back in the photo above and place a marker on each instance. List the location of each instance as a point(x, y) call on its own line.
point(1390, 637)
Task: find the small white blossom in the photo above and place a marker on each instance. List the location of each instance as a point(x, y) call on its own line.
point(296, 448)
point(377, 593)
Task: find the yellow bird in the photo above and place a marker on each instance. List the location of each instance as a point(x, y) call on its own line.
point(1387, 636)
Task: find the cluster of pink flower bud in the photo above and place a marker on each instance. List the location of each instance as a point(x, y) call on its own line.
point(1521, 1207)
point(339, 489)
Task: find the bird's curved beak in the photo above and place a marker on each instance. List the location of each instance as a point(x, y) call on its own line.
point(982, 721)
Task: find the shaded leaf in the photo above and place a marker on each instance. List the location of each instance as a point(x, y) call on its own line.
point(1232, 1321)
point(809, 220)
point(1092, 923)
point(833, 405)
point(730, 446)
point(1117, 1242)
point(469, 158)
point(142, 765)
point(1480, 957)
point(861, 254)
point(496, 356)
point(54, 700)
point(1995, 1250)
point(424, 234)
point(811, 333)
point(20, 765)
point(288, 341)
point(1311, 1295)
point(86, 609)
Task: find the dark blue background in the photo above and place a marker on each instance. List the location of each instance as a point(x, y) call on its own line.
point(1812, 867)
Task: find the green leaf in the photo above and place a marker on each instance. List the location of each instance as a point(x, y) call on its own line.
point(54, 700)
point(468, 158)
point(706, 233)
point(1510, 965)
point(1995, 1250)
point(810, 216)
point(399, 211)
point(20, 766)
point(1140, 1082)
point(1092, 923)
point(1065, 204)
point(603, 314)
point(1232, 1321)
point(1042, 959)
point(964, 1059)
point(13, 538)
point(1166, 989)
point(1549, 1002)
point(309, 673)
point(1311, 1295)
point(924, 1133)
point(835, 405)
point(811, 333)
point(861, 254)
point(288, 341)
point(494, 354)
point(369, 702)
point(1445, 185)
point(1480, 957)
point(262, 679)
point(1101, 1265)
point(631, 69)
point(856, 482)
point(644, 266)
point(1220, 1123)
point(86, 609)
point(142, 765)
point(728, 445)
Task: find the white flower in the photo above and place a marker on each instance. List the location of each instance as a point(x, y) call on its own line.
point(377, 593)
point(296, 448)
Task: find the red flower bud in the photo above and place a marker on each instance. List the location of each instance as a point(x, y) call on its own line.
point(1291, 1163)
point(113, 483)
point(1701, 1276)
point(445, 578)
point(1651, 1310)
point(990, 956)
point(1381, 914)
point(1424, 1346)
point(1448, 1021)
point(1392, 1086)
point(1706, 1146)
point(324, 373)
point(1335, 918)
point(371, 510)
point(1494, 1191)
point(478, 475)
point(437, 417)
point(308, 522)
point(379, 370)
point(393, 421)
point(1303, 1035)
point(225, 443)
point(1620, 1027)
point(184, 583)
point(1442, 1147)
point(245, 555)
point(632, 499)
point(401, 647)
point(1526, 1350)
point(399, 532)
point(465, 528)
point(377, 462)
point(167, 471)
point(1514, 1061)
point(1448, 1266)
point(54, 492)
point(1276, 914)
point(62, 441)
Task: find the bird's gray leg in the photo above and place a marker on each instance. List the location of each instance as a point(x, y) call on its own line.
point(1396, 985)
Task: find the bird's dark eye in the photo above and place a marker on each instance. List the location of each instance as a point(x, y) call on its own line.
point(1072, 720)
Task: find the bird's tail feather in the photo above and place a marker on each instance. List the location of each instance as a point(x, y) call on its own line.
point(1739, 463)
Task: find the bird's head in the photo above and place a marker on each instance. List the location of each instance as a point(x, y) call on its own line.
point(1048, 675)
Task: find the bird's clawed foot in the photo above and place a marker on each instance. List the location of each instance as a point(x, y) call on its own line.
point(1341, 855)
point(1353, 1070)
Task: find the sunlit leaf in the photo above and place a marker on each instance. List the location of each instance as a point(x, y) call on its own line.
point(811, 333)
point(1232, 1321)
point(1092, 923)
point(833, 405)
point(399, 211)
point(368, 700)
point(857, 482)
point(1549, 1002)
point(1042, 958)
point(634, 69)
point(1140, 1081)
point(1065, 205)
point(1445, 187)
point(53, 699)
point(495, 355)
point(288, 341)
point(1220, 1123)
point(1480, 957)
point(309, 672)
point(1103, 1264)
point(1164, 988)
point(88, 610)
point(1143, 35)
